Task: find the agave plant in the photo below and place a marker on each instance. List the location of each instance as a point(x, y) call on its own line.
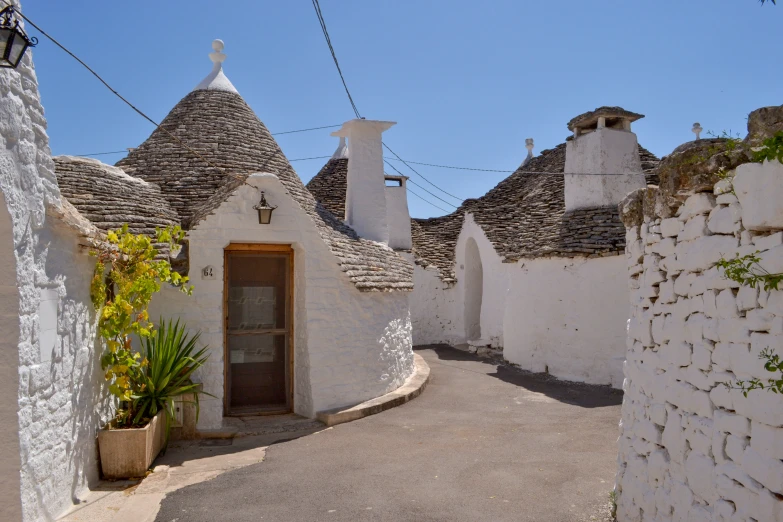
point(171, 358)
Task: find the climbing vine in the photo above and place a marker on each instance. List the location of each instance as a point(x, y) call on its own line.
point(127, 275)
point(747, 271)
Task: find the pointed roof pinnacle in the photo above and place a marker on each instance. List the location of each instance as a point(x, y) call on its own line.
point(216, 80)
point(342, 150)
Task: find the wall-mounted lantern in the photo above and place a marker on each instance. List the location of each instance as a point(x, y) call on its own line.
point(264, 210)
point(13, 40)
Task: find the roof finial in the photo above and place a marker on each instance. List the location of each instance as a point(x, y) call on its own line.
point(697, 130)
point(218, 56)
point(529, 146)
point(216, 80)
point(342, 150)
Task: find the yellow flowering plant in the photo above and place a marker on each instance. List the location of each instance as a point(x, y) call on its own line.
point(128, 272)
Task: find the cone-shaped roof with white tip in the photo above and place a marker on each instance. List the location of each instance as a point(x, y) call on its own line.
point(330, 185)
point(216, 80)
point(231, 143)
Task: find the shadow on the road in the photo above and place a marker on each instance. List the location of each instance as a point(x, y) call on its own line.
point(182, 451)
point(568, 392)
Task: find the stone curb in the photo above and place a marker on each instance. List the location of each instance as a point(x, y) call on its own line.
point(411, 389)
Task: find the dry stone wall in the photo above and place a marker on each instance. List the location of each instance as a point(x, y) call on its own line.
point(690, 448)
point(52, 402)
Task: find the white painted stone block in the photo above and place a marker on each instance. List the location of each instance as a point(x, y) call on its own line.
point(758, 188)
point(710, 304)
point(670, 227)
point(701, 203)
point(725, 199)
point(770, 506)
point(701, 358)
point(772, 260)
point(702, 253)
point(724, 219)
point(765, 242)
point(733, 331)
point(747, 298)
point(767, 440)
point(727, 307)
point(694, 228)
point(735, 447)
point(658, 414)
point(769, 472)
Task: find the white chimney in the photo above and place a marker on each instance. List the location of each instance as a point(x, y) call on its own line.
point(397, 214)
point(365, 199)
point(602, 159)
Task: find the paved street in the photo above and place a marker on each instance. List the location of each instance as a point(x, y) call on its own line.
point(483, 442)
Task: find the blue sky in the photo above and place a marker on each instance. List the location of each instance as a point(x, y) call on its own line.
point(466, 81)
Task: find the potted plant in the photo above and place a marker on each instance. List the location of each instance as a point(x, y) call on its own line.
point(170, 357)
point(128, 272)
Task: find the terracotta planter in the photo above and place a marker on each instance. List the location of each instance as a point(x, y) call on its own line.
point(128, 453)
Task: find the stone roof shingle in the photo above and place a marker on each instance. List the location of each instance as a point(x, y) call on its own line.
point(109, 198)
point(329, 186)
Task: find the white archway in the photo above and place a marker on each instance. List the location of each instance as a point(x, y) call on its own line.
point(474, 290)
point(10, 463)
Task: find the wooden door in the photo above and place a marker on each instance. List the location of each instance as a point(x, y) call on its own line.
point(258, 329)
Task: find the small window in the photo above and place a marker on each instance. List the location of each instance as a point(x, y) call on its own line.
point(393, 182)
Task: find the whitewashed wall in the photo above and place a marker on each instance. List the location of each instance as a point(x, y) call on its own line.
point(350, 346)
point(52, 346)
point(436, 310)
point(689, 448)
point(567, 317)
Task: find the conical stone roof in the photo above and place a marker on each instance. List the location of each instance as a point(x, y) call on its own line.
point(224, 130)
point(330, 185)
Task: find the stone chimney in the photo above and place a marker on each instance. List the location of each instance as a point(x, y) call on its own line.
point(365, 199)
point(602, 159)
point(397, 214)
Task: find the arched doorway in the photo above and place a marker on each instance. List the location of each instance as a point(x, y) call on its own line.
point(474, 290)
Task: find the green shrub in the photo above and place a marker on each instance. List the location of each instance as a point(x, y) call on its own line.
point(171, 356)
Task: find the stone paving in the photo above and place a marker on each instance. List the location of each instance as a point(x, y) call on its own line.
point(483, 442)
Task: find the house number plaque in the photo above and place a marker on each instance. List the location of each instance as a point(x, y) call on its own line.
point(208, 272)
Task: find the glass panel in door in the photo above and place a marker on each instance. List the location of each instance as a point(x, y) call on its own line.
point(258, 332)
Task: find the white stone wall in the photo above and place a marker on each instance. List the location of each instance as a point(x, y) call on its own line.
point(349, 346)
point(436, 311)
point(51, 347)
point(567, 317)
point(690, 448)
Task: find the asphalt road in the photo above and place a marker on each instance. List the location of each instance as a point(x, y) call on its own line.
point(483, 442)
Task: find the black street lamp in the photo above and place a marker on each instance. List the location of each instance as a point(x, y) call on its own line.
point(264, 210)
point(13, 40)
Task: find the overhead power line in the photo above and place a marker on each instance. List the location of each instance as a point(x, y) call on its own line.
point(305, 130)
point(422, 177)
point(319, 14)
point(427, 201)
point(321, 21)
point(450, 166)
point(422, 188)
point(129, 104)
